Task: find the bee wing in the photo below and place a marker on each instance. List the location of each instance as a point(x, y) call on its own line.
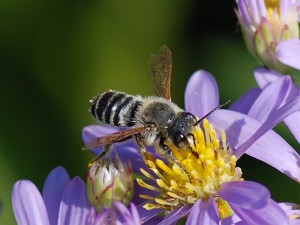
point(118, 136)
point(160, 72)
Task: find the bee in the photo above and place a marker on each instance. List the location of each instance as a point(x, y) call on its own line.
point(151, 121)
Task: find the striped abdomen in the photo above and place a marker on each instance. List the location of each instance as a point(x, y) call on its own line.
point(116, 108)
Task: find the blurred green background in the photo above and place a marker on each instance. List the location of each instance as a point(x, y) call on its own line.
point(56, 55)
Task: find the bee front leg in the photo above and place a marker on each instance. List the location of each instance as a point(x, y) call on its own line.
point(166, 150)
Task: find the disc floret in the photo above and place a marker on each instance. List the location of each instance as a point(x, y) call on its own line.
point(201, 172)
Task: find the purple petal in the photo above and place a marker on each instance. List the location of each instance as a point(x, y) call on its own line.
point(244, 12)
point(175, 215)
point(135, 214)
point(244, 103)
point(204, 212)
point(271, 214)
point(271, 98)
point(288, 52)
point(131, 217)
point(265, 76)
point(245, 194)
point(258, 10)
point(53, 191)
point(202, 94)
point(285, 9)
point(245, 134)
point(101, 218)
point(293, 123)
point(284, 157)
point(28, 204)
point(74, 207)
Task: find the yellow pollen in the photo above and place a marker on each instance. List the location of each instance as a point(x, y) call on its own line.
point(272, 6)
point(197, 174)
point(224, 208)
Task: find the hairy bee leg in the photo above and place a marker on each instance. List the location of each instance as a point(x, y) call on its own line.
point(142, 148)
point(165, 149)
point(106, 149)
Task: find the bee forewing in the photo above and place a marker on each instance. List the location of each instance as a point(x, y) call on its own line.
point(118, 136)
point(160, 72)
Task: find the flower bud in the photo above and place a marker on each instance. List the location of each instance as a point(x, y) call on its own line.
point(109, 181)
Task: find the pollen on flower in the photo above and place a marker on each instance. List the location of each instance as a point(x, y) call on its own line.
point(200, 174)
point(272, 6)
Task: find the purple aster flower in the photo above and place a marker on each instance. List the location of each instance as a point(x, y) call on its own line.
point(271, 31)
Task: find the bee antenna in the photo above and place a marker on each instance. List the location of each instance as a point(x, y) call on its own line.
point(212, 111)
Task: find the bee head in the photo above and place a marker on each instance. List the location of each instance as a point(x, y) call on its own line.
point(181, 130)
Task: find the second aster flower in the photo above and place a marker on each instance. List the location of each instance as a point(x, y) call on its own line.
point(271, 31)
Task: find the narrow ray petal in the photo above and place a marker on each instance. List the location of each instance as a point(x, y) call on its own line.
point(271, 214)
point(265, 76)
point(203, 212)
point(53, 191)
point(74, 207)
point(271, 98)
point(202, 94)
point(244, 103)
point(293, 123)
point(28, 204)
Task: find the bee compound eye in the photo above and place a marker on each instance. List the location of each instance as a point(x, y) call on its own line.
point(182, 142)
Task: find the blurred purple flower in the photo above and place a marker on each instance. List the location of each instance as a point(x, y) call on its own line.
point(271, 31)
point(64, 202)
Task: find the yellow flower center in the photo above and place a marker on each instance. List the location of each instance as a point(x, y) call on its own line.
point(272, 6)
point(200, 174)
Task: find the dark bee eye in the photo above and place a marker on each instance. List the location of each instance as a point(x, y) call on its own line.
point(182, 141)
